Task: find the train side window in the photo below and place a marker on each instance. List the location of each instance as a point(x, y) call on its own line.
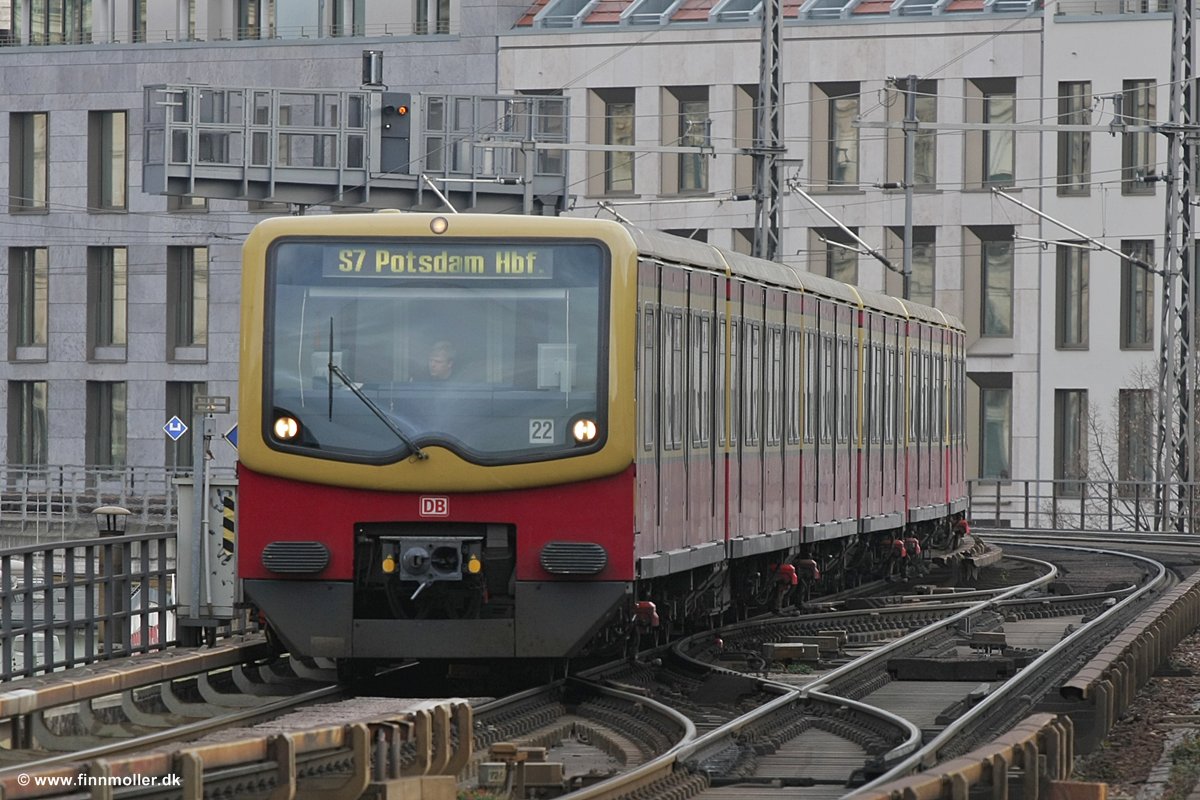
point(811, 381)
point(828, 397)
point(735, 384)
point(793, 361)
point(754, 383)
point(675, 381)
point(875, 376)
point(914, 379)
point(774, 366)
point(845, 395)
point(930, 384)
point(719, 384)
point(649, 377)
point(889, 405)
point(701, 377)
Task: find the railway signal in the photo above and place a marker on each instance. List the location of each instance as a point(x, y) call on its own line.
point(394, 131)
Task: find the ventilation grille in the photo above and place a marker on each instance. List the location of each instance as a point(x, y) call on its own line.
point(295, 557)
point(573, 558)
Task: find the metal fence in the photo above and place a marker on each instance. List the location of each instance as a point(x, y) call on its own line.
point(1085, 505)
point(48, 503)
point(77, 602)
point(72, 603)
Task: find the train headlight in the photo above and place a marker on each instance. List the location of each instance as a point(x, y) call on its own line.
point(474, 565)
point(439, 225)
point(389, 565)
point(584, 430)
point(286, 428)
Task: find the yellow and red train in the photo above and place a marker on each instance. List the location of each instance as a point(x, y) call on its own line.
point(640, 430)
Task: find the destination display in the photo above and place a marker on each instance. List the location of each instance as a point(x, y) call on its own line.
point(416, 261)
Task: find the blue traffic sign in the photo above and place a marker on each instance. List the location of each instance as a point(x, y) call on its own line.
point(231, 436)
point(175, 428)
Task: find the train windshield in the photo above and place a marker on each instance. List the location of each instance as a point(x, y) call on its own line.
point(492, 349)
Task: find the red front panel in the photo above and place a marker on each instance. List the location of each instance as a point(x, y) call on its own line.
point(275, 509)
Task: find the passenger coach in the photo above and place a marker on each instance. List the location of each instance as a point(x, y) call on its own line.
point(640, 431)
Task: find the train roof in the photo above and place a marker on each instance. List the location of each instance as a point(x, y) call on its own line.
point(671, 248)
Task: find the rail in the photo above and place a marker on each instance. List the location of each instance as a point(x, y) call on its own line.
point(77, 602)
point(1080, 505)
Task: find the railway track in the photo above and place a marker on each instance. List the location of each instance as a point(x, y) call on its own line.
point(731, 714)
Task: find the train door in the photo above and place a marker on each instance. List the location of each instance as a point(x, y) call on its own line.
point(958, 415)
point(647, 383)
point(825, 463)
point(672, 466)
point(941, 476)
point(890, 469)
point(792, 477)
point(904, 414)
point(728, 401)
point(699, 442)
point(773, 410)
point(915, 417)
point(750, 512)
point(870, 460)
point(845, 372)
point(810, 409)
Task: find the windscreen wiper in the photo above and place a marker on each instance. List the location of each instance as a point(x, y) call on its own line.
point(334, 369)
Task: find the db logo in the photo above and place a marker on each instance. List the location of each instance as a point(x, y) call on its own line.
point(435, 507)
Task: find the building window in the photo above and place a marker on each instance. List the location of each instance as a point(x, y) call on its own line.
point(1137, 296)
point(1135, 440)
point(924, 142)
point(108, 297)
point(187, 303)
point(834, 254)
point(106, 160)
point(355, 25)
point(253, 18)
point(29, 169)
point(27, 429)
point(922, 281)
point(185, 203)
point(296, 19)
point(618, 130)
point(991, 151)
point(1137, 149)
point(835, 139)
point(28, 302)
point(180, 397)
point(995, 427)
point(1072, 306)
point(690, 129)
point(996, 284)
point(105, 437)
point(1074, 147)
point(431, 16)
point(60, 21)
point(1070, 441)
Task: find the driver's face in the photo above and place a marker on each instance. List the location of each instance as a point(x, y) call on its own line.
point(440, 367)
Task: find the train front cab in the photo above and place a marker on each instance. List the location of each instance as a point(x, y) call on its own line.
point(334, 544)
